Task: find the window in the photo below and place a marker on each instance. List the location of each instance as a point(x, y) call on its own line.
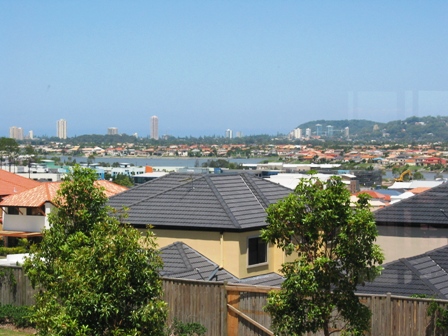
point(13, 210)
point(257, 250)
point(35, 211)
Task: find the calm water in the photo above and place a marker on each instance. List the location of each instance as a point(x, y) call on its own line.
point(160, 162)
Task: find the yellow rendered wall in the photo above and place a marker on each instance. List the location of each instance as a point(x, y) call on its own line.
point(230, 254)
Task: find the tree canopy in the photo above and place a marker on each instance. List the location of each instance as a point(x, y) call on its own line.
point(334, 250)
point(96, 275)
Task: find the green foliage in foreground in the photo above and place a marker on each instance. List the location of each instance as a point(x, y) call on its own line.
point(93, 274)
point(333, 245)
point(17, 315)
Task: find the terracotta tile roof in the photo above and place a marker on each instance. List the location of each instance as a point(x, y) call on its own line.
point(419, 190)
point(375, 195)
point(45, 192)
point(12, 184)
point(111, 188)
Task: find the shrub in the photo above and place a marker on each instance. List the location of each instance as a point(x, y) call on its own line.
point(17, 315)
point(179, 328)
point(12, 250)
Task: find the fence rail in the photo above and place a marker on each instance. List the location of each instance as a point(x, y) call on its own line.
point(236, 310)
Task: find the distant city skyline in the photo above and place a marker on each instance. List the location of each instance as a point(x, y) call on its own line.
point(259, 67)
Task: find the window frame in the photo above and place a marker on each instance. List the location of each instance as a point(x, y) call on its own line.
point(16, 210)
point(258, 263)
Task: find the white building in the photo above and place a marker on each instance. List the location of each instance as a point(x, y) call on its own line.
point(112, 131)
point(297, 133)
point(61, 129)
point(16, 133)
point(347, 132)
point(229, 134)
point(154, 128)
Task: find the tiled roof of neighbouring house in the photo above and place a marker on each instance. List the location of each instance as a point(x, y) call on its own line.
point(45, 192)
point(423, 208)
point(12, 184)
point(229, 202)
point(422, 274)
point(182, 262)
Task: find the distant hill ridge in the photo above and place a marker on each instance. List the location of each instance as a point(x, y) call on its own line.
point(427, 128)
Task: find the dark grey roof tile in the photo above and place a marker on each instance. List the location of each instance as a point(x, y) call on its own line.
point(203, 201)
point(422, 208)
point(421, 274)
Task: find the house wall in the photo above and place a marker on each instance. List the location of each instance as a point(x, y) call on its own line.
point(26, 223)
point(404, 242)
point(229, 249)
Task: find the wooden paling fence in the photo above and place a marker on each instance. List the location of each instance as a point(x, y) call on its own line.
point(235, 310)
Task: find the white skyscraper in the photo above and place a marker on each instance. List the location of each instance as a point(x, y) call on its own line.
point(61, 129)
point(16, 133)
point(297, 133)
point(229, 134)
point(112, 131)
point(154, 128)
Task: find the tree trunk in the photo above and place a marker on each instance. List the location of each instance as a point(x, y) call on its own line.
point(326, 329)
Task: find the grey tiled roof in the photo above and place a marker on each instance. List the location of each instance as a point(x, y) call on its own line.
point(421, 274)
point(234, 202)
point(422, 208)
point(182, 262)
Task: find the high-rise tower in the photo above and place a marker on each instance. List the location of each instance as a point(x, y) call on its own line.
point(61, 129)
point(154, 128)
point(16, 133)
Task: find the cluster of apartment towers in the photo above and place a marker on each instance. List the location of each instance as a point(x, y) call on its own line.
point(329, 132)
point(61, 130)
point(17, 132)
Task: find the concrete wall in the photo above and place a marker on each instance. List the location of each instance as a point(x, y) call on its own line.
point(404, 242)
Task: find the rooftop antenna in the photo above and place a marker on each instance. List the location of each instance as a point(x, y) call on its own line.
point(214, 275)
point(191, 171)
point(443, 211)
point(199, 272)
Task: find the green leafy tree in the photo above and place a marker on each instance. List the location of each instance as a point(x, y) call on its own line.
point(418, 176)
point(335, 252)
point(96, 276)
point(8, 148)
point(124, 180)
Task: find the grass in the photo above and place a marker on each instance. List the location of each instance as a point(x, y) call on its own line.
point(6, 332)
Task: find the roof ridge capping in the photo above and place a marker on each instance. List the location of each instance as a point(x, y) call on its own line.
point(221, 200)
point(259, 195)
point(143, 199)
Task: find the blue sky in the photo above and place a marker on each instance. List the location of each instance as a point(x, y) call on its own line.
point(205, 66)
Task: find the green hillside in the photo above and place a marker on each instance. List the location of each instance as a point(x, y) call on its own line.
point(417, 129)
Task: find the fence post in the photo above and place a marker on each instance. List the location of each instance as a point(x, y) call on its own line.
point(389, 323)
point(233, 298)
point(224, 309)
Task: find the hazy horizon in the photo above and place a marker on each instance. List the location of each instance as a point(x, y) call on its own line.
point(203, 67)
